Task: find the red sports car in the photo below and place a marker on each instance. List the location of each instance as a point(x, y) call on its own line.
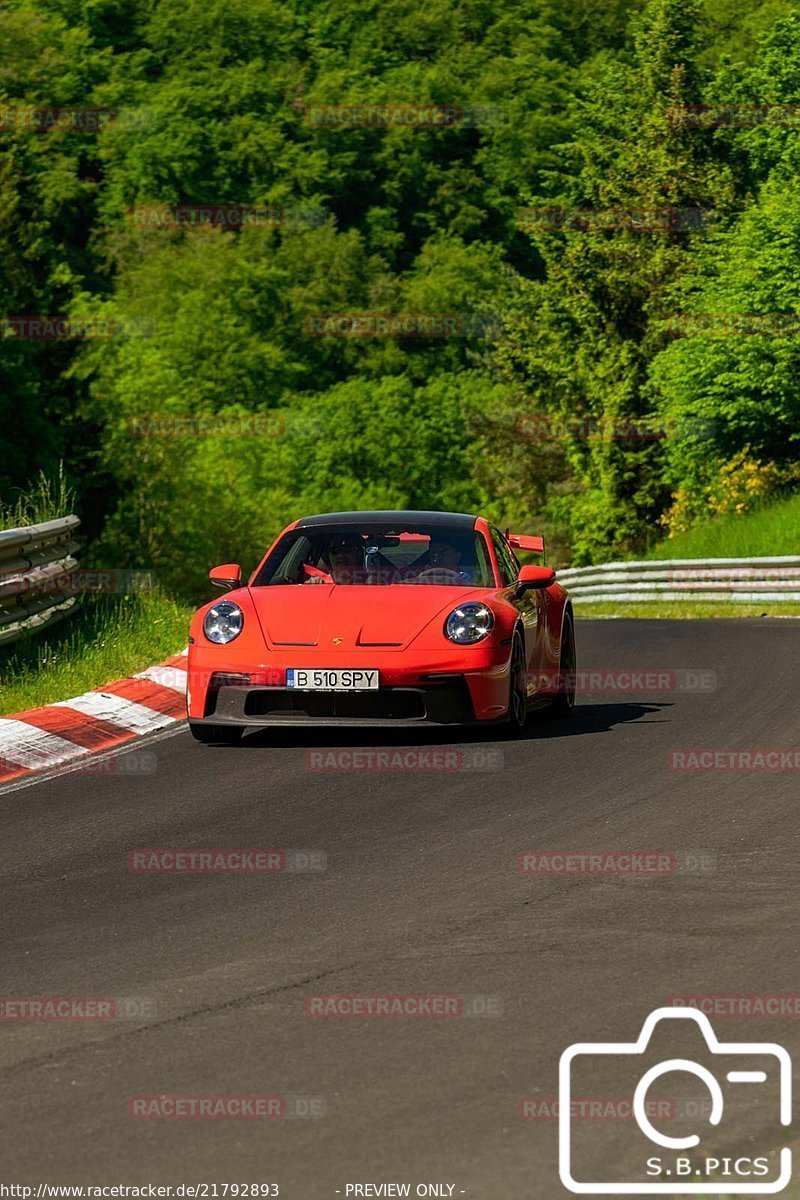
point(382, 618)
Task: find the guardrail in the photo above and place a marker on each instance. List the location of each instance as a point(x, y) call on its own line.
point(733, 580)
point(31, 561)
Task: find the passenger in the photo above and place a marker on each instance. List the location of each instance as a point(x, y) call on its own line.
point(345, 556)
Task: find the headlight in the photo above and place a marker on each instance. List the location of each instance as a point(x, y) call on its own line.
point(469, 623)
point(223, 622)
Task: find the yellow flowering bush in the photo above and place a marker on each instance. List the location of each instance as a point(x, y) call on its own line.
point(684, 512)
point(740, 484)
point(742, 481)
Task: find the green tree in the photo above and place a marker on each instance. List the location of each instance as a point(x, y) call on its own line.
point(579, 340)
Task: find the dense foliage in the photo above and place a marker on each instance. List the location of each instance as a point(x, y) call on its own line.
point(565, 205)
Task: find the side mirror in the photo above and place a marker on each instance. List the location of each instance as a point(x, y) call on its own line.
point(228, 576)
point(534, 578)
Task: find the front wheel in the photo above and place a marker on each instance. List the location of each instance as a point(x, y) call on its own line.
point(216, 735)
point(517, 688)
point(564, 703)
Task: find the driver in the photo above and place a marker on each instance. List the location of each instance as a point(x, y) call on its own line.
point(442, 562)
point(444, 556)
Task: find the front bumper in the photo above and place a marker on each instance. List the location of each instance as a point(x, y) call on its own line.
point(442, 704)
point(433, 693)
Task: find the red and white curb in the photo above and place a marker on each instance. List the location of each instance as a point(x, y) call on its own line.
point(100, 720)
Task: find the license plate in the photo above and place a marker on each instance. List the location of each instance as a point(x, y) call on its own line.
point(332, 681)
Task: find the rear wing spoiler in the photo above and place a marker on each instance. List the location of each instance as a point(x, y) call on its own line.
point(521, 541)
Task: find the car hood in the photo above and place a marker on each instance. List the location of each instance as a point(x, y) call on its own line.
point(388, 617)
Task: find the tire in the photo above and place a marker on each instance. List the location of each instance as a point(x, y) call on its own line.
point(216, 735)
point(517, 688)
point(564, 703)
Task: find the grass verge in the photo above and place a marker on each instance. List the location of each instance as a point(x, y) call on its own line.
point(111, 637)
point(684, 610)
point(45, 499)
point(771, 529)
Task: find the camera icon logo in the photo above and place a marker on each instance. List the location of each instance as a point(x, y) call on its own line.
point(686, 1167)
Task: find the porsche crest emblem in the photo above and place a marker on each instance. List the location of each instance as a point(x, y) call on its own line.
point(337, 641)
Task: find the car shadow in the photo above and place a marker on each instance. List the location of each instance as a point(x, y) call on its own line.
point(587, 718)
point(594, 718)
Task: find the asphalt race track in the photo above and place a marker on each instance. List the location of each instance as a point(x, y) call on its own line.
point(422, 895)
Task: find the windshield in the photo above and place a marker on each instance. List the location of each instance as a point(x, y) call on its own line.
point(379, 555)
